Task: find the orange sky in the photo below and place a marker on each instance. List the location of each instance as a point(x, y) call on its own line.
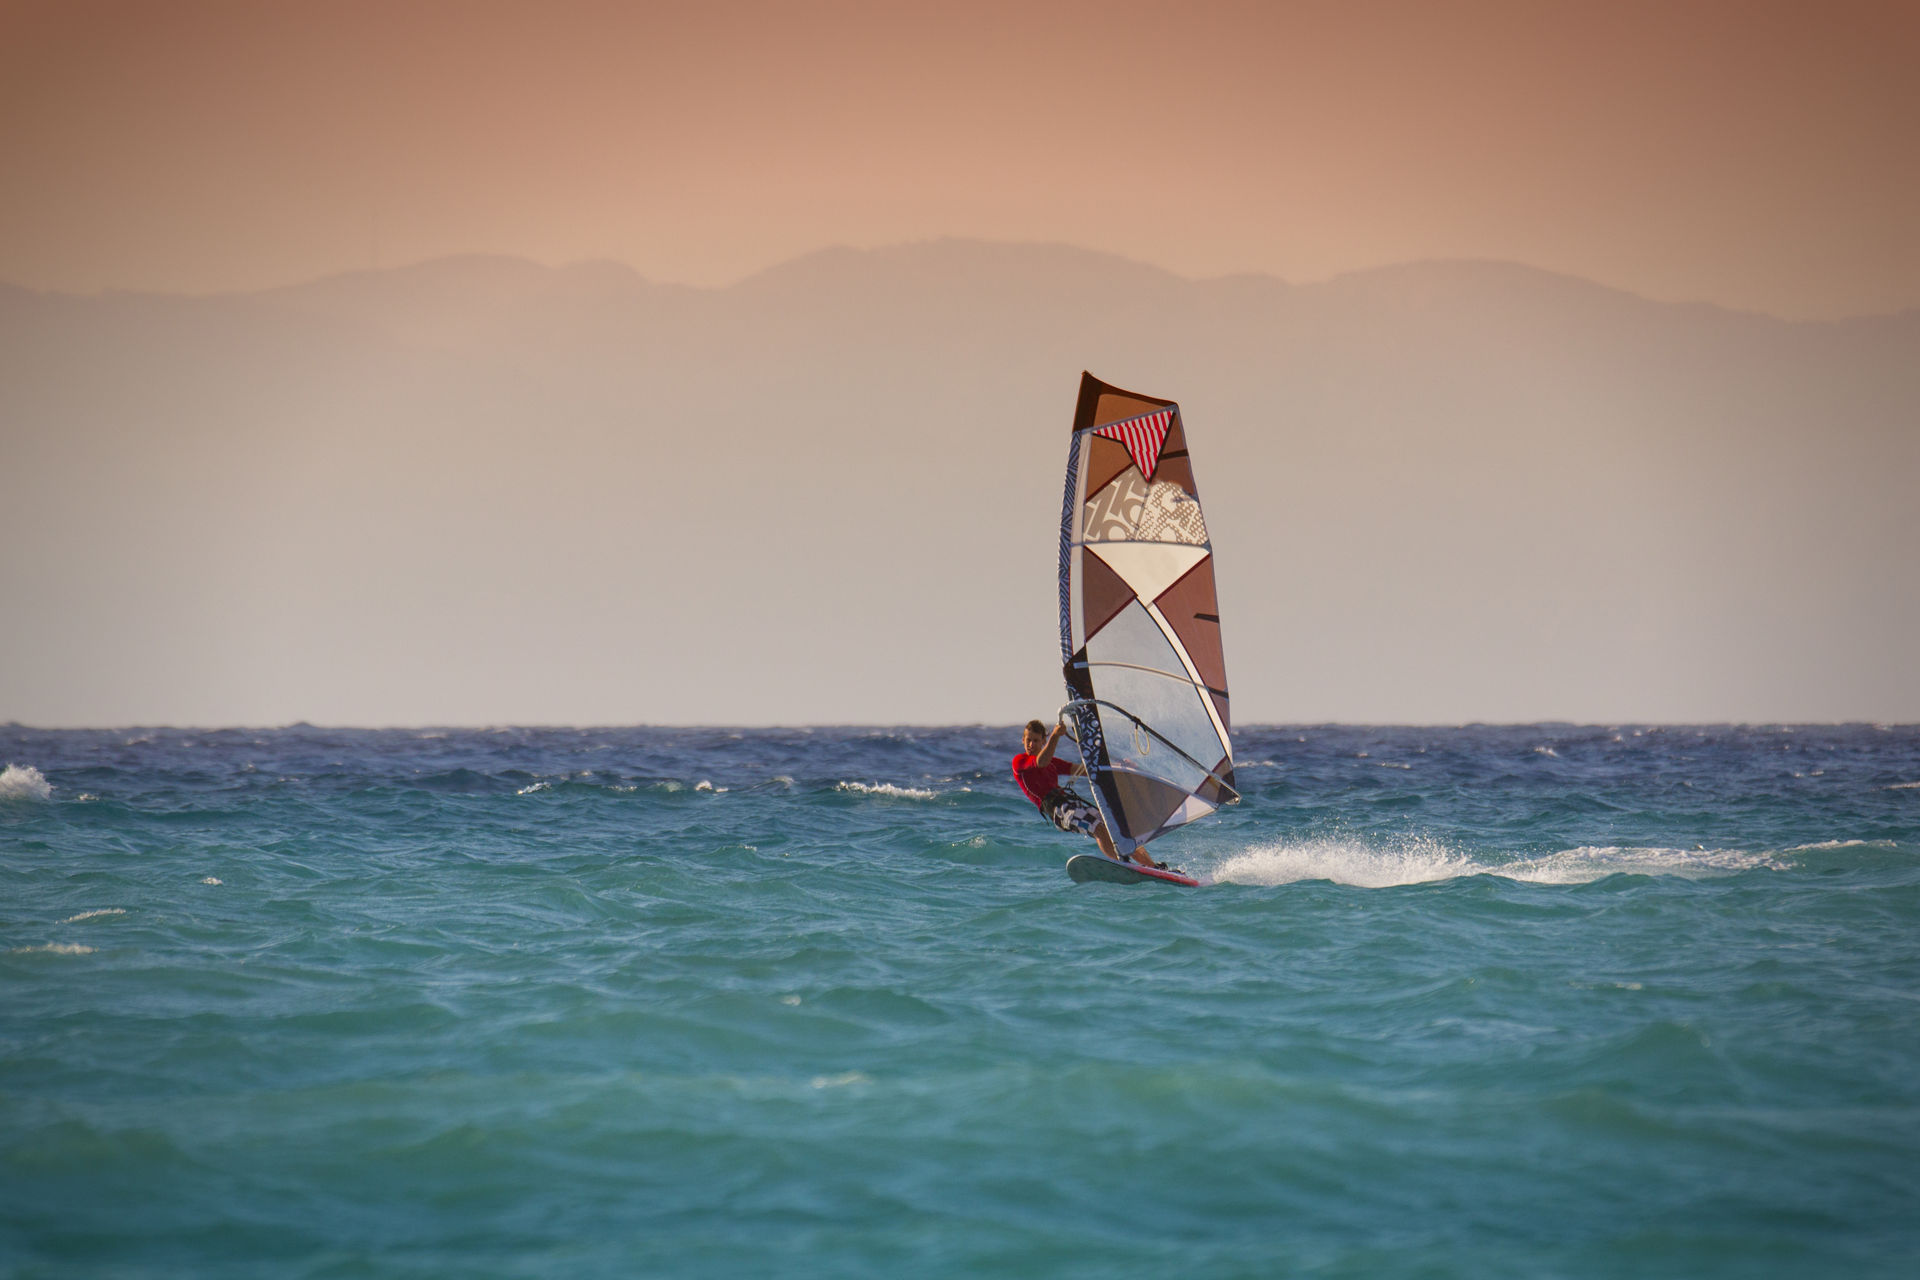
point(1757, 155)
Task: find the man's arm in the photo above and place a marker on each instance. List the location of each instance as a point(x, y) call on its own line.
point(1053, 741)
point(1046, 753)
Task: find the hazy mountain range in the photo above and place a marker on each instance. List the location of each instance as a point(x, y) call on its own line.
point(481, 490)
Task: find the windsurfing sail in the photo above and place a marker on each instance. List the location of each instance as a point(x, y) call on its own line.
point(1139, 621)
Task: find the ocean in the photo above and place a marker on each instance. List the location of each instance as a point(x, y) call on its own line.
point(1536, 1001)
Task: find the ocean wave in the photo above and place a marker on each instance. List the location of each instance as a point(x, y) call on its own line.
point(886, 789)
point(98, 911)
point(1595, 862)
point(54, 948)
point(1905, 786)
point(24, 782)
point(1844, 844)
point(1423, 860)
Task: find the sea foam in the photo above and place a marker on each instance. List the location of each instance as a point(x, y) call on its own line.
point(24, 782)
point(1590, 863)
point(1423, 860)
point(886, 789)
point(1844, 844)
point(1346, 861)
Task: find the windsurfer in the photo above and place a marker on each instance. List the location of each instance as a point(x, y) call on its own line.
point(1039, 774)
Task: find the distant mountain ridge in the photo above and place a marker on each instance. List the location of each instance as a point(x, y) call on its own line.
point(926, 260)
point(1441, 491)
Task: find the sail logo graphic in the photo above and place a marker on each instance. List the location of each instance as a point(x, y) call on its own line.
point(1113, 512)
point(1131, 510)
point(1171, 514)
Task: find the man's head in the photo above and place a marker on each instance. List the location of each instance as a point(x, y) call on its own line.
point(1034, 738)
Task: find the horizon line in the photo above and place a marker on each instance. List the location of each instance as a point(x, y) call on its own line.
point(1885, 725)
point(933, 241)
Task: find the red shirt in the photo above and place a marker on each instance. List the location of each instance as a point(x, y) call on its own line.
point(1038, 779)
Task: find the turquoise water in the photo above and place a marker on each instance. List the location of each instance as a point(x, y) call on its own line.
point(1537, 1001)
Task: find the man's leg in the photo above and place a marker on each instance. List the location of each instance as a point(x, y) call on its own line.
point(1105, 841)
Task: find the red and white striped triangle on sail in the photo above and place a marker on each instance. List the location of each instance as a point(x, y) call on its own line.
point(1143, 437)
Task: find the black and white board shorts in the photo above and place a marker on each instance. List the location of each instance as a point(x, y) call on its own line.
point(1069, 812)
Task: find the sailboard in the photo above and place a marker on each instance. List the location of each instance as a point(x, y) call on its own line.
point(1089, 868)
point(1140, 621)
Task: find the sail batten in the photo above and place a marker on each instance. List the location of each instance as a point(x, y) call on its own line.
point(1139, 618)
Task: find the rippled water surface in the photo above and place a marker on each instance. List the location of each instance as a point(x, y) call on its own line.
point(1539, 1001)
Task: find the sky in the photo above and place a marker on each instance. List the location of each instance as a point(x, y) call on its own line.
point(1451, 487)
point(1752, 154)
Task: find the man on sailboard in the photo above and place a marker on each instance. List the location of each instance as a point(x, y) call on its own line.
point(1039, 774)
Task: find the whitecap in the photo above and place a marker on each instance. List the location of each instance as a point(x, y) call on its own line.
point(840, 1081)
point(57, 949)
point(1423, 860)
point(24, 782)
point(794, 1000)
point(1546, 751)
point(1904, 786)
point(887, 789)
point(211, 880)
point(538, 786)
point(1844, 844)
point(98, 911)
point(1595, 862)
